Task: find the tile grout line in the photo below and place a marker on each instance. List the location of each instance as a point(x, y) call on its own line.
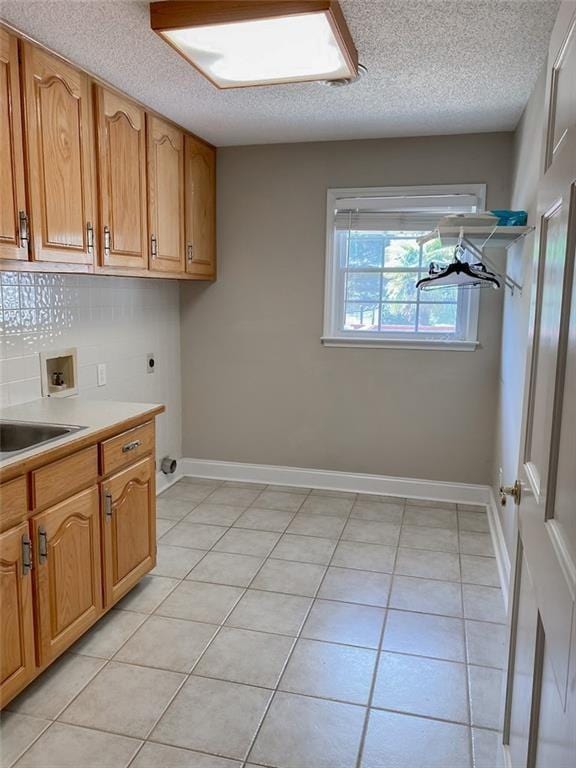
point(264, 561)
point(296, 639)
point(364, 732)
point(314, 536)
point(349, 517)
point(466, 676)
point(279, 634)
point(34, 740)
point(339, 643)
point(107, 662)
point(217, 632)
point(214, 636)
point(343, 567)
point(86, 684)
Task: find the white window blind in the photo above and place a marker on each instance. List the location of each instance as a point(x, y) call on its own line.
point(375, 257)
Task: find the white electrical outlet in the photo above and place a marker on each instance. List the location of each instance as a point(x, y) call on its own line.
point(101, 374)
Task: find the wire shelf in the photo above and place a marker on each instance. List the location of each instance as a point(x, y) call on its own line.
point(478, 239)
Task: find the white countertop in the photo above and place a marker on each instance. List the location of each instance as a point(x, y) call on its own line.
point(94, 415)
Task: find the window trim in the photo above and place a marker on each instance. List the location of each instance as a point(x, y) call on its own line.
point(332, 335)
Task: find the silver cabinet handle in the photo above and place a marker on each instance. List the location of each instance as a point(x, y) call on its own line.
point(23, 232)
point(131, 446)
point(153, 247)
point(190, 252)
point(90, 238)
point(107, 239)
point(26, 555)
point(42, 544)
point(108, 504)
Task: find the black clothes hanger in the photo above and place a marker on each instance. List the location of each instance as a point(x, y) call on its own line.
point(458, 273)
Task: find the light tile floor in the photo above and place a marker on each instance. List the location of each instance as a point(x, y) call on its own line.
point(285, 627)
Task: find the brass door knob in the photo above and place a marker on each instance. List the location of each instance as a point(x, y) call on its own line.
point(511, 490)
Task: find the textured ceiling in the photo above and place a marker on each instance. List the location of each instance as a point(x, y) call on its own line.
point(434, 66)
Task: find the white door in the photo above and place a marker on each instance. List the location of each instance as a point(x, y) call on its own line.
point(540, 714)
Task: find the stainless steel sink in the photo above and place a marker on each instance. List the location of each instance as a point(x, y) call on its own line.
point(18, 436)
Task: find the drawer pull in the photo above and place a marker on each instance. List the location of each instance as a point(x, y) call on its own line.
point(131, 446)
point(108, 504)
point(26, 555)
point(127, 447)
point(42, 544)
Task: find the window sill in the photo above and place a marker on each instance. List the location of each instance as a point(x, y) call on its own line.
point(455, 346)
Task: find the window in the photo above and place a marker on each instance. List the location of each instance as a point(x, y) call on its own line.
point(376, 253)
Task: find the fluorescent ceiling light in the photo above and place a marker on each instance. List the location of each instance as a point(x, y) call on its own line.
point(258, 43)
point(267, 51)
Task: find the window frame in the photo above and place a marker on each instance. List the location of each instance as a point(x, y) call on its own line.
point(468, 300)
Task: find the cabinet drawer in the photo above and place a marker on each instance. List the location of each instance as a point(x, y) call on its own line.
point(13, 502)
point(64, 478)
point(124, 449)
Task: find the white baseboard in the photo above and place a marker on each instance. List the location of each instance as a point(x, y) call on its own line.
point(336, 481)
point(500, 548)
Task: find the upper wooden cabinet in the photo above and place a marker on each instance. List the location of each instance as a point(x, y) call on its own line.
point(200, 201)
point(91, 182)
point(13, 214)
point(165, 195)
point(121, 130)
point(60, 154)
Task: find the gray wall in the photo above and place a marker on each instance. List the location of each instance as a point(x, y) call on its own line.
point(257, 384)
point(528, 153)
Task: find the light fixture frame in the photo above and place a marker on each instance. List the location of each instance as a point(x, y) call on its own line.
point(170, 15)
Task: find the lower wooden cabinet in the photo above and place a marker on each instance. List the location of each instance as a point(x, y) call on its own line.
point(18, 664)
point(68, 577)
point(76, 534)
point(129, 528)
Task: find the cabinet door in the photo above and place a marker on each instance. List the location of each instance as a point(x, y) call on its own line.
point(60, 155)
point(121, 181)
point(68, 575)
point(165, 196)
point(129, 525)
point(13, 222)
point(17, 625)
point(200, 200)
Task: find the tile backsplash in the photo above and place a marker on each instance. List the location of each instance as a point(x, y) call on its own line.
point(111, 320)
